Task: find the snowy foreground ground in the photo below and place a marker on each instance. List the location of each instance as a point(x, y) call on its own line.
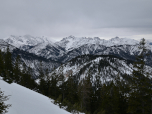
point(26, 101)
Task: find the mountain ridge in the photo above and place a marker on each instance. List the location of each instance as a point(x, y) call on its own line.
point(48, 49)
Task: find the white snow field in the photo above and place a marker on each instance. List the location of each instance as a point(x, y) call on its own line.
point(26, 101)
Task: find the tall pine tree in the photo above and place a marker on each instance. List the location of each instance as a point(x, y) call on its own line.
point(3, 106)
point(140, 91)
point(17, 73)
point(8, 73)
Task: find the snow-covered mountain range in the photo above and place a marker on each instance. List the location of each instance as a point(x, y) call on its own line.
point(71, 47)
point(68, 43)
point(44, 47)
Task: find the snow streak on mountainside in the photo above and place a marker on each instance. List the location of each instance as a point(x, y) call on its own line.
point(26, 101)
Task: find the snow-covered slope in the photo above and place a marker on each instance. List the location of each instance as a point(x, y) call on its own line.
point(25, 101)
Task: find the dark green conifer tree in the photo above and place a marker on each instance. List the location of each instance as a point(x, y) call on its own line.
point(97, 93)
point(3, 107)
point(54, 90)
point(1, 64)
point(140, 89)
point(71, 92)
point(86, 93)
point(62, 86)
point(8, 73)
point(42, 82)
point(48, 83)
point(26, 78)
point(17, 71)
point(24, 75)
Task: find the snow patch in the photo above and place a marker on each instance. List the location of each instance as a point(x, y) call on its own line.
point(26, 101)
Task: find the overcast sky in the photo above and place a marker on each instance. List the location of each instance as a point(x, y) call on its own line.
point(87, 18)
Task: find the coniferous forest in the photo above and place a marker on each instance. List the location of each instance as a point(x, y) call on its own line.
point(131, 95)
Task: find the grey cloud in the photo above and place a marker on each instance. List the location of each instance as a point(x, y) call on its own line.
point(59, 18)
